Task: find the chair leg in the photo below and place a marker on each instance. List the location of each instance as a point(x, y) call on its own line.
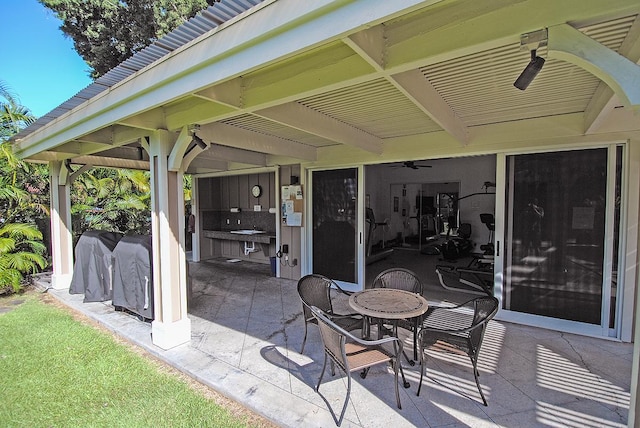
point(397, 364)
point(422, 369)
point(476, 375)
point(404, 381)
point(346, 400)
point(395, 334)
point(304, 339)
point(415, 340)
point(324, 366)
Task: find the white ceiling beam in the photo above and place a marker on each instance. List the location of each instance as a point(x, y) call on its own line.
point(233, 136)
point(195, 163)
point(228, 93)
point(308, 120)
point(369, 44)
point(115, 135)
point(149, 120)
point(619, 73)
point(415, 86)
point(195, 110)
point(232, 154)
point(109, 162)
point(81, 148)
point(604, 100)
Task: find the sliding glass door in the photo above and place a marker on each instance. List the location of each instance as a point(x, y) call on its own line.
point(335, 226)
point(561, 241)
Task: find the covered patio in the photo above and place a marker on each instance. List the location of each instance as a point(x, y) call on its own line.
point(292, 88)
point(247, 331)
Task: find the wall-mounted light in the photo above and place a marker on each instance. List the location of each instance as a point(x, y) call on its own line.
point(531, 42)
point(530, 71)
point(199, 141)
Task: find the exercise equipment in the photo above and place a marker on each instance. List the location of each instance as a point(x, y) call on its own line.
point(458, 246)
point(475, 279)
point(489, 221)
point(375, 254)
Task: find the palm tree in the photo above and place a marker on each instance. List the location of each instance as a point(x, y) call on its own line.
point(116, 200)
point(13, 116)
point(21, 247)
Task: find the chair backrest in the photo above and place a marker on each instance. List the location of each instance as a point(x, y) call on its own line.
point(400, 279)
point(314, 290)
point(484, 308)
point(333, 338)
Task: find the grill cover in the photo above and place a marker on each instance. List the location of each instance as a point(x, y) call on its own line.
point(133, 275)
point(92, 270)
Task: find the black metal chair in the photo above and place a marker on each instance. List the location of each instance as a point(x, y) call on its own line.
point(352, 354)
point(401, 279)
point(315, 290)
point(458, 328)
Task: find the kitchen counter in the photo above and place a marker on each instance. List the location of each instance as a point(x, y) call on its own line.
point(263, 238)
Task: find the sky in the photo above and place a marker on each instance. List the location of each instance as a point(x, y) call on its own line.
point(37, 62)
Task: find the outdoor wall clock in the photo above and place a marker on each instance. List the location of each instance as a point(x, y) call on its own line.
point(256, 191)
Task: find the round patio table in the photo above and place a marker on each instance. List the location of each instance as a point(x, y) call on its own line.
point(388, 303)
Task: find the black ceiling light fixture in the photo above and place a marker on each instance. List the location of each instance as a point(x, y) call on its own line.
point(199, 141)
point(530, 71)
point(531, 42)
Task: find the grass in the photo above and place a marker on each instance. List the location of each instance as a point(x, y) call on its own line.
point(59, 372)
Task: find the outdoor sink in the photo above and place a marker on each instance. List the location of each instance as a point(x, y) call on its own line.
point(247, 231)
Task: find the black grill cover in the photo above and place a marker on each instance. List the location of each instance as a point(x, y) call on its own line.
point(92, 270)
point(133, 275)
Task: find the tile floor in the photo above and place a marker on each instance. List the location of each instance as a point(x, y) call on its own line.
point(247, 330)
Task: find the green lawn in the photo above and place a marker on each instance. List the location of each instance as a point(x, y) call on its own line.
point(58, 372)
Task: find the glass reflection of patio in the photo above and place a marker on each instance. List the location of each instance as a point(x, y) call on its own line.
point(247, 332)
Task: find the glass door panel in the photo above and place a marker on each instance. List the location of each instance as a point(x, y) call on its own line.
point(555, 235)
point(335, 224)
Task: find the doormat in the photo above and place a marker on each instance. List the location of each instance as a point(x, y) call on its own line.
point(233, 260)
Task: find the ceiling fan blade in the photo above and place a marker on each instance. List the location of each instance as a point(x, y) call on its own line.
point(408, 164)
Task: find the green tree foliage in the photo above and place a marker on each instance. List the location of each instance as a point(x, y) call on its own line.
point(21, 247)
point(116, 200)
point(107, 32)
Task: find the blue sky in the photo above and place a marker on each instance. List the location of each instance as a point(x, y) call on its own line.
point(38, 62)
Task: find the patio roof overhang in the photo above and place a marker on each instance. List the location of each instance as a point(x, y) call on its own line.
point(327, 82)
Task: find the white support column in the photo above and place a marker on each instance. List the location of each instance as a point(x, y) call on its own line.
point(171, 326)
point(61, 239)
point(195, 204)
point(633, 234)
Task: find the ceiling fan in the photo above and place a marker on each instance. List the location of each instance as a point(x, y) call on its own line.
point(410, 164)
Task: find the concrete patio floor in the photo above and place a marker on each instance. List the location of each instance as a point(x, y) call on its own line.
point(247, 330)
